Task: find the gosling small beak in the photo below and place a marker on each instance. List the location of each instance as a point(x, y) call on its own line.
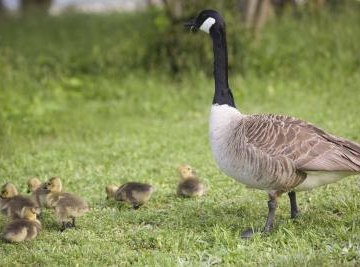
point(190, 25)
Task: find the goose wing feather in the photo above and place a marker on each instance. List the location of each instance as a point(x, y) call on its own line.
point(310, 148)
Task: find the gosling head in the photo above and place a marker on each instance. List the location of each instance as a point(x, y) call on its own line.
point(29, 213)
point(207, 21)
point(186, 171)
point(110, 191)
point(8, 190)
point(53, 185)
point(33, 184)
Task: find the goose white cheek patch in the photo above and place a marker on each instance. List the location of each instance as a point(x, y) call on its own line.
point(207, 24)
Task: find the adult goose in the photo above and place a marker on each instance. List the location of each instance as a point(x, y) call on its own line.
point(275, 153)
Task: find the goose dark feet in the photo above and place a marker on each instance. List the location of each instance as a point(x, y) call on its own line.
point(66, 225)
point(136, 206)
point(293, 205)
point(248, 233)
point(269, 225)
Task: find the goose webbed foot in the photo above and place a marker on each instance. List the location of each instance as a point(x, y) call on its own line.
point(63, 226)
point(248, 233)
point(136, 206)
point(66, 225)
point(293, 205)
point(269, 225)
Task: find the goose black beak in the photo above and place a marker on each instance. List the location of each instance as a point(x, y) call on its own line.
point(190, 25)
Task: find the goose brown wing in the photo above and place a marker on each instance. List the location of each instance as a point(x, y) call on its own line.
point(310, 148)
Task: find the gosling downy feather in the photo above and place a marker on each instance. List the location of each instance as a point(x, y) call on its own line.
point(12, 203)
point(274, 153)
point(24, 228)
point(189, 185)
point(133, 193)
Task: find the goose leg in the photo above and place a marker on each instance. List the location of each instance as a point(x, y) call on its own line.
point(63, 227)
point(293, 205)
point(73, 222)
point(272, 205)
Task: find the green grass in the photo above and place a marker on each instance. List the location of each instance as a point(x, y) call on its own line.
point(65, 110)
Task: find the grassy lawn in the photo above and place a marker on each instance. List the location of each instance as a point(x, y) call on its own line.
point(68, 108)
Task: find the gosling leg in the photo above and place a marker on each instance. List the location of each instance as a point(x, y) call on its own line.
point(63, 227)
point(293, 205)
point(136, 206)
point(66, 225)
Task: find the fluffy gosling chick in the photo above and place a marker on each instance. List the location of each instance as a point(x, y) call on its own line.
point(33, 184)
point(25, 228)
point(12, 203)
point(189, 185)
point(136, 194)
point(67, 206)
point(37, 189)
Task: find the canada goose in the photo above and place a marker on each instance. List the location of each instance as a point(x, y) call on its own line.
point(33, 184)
point(12, 203)
point(53, 185)
point(189, 185)
point(26, 227)
point(133, 193)
point(37, 189)
point(67, 206)
point(274, 153)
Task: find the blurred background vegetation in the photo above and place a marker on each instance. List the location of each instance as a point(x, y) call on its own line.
point(49, 61)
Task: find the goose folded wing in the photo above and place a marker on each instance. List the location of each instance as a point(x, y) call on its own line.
point(310, 148)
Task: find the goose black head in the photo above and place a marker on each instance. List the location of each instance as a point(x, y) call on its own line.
point(206, 21)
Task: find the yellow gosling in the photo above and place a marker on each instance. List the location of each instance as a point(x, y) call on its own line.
point(189, 185)
point(110, 191)
point(38, 191)
point(26, 227)
point(33, 184)
point(136, 194)
point(12, 203)
point(67, 206)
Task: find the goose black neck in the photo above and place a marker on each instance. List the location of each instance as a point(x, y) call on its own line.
point(223, 94)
